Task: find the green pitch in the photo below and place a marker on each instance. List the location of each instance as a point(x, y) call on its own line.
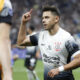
point(19, 71)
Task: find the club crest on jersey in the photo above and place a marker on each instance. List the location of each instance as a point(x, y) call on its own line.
point(57, 46)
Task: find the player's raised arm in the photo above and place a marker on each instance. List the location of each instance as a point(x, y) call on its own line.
point(22, 39)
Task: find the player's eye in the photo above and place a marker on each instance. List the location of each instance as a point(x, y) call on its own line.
point(46, 17)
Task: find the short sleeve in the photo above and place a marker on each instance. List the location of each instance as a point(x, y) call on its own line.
point(72, 47)
point(34, 39)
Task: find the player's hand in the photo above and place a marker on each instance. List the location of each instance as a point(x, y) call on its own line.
point(26, 17)
point(53, 72)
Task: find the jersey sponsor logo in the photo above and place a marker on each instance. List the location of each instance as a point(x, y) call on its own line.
point(57, 46)
point(49, 59)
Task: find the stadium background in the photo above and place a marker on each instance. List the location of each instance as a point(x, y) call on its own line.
point(70, 21)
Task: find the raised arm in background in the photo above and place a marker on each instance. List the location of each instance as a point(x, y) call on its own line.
point(22, 38)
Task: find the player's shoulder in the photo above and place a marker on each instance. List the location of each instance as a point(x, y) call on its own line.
point(68, 37)
point(65, 33)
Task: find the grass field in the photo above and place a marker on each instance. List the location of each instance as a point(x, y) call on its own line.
point(19, 71)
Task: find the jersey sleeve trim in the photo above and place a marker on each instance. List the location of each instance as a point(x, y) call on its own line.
point(76, 53)
point(34, 40)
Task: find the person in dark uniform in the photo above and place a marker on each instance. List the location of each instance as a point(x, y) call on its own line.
point(31, 57)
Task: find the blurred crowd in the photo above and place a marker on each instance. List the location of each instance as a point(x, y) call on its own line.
point(69, 11)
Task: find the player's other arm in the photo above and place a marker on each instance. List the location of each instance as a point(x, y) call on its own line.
point(23, 40)
point(74, 63)
point(73, 50)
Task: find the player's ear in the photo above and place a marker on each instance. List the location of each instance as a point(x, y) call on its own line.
point(57, 18)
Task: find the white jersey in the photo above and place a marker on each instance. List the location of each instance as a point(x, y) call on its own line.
point(53, 49)
point(56, 49)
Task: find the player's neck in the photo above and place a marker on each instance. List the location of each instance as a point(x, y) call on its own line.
point(54, 30)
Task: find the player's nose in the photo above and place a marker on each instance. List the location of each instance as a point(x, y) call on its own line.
point(43, 21)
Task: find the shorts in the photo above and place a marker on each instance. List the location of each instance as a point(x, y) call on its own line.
point(62, 76)
point(7, 19)
point(30, 62)
point(6, 15)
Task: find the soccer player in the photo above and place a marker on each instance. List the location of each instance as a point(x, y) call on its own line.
point(31, 57)
point(57, 46)
point(5, 25)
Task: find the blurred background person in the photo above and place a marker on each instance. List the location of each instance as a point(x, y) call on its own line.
point(31, 57)
point(6, 14)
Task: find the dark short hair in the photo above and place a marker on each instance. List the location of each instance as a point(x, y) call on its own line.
point(32, 28)
point(53, 9)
